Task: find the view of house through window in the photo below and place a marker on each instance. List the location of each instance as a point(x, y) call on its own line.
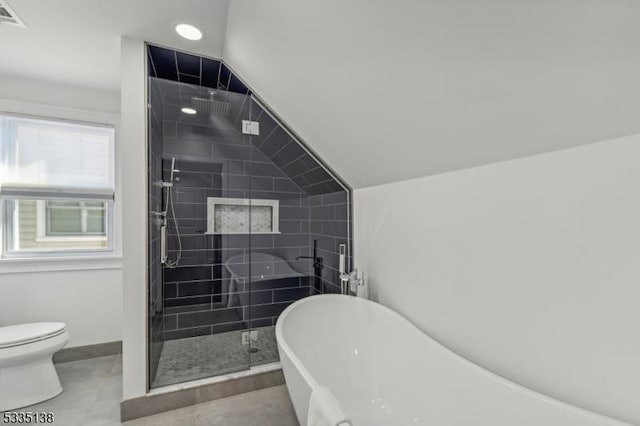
point(74, 218)
point(59, 225)
point(56, 186)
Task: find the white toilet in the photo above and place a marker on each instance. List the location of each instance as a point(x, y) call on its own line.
point(27, 374)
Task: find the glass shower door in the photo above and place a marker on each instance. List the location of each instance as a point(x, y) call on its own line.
point(244, 220)
point(200, 199)
point(269, 259)
point(280, 231)
point(228, 231)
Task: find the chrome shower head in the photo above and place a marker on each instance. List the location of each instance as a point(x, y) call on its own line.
point(219, 108)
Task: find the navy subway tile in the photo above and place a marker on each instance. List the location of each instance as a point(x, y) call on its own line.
point(187, 273)
point(233, 326)
point(290, 226)
point(295, 168)
point(232, 152)
point(170, 290)
point(164, 62)
point(313, 176)
point(186, 146)
point(235, 85)
point(261, 241)
point(207, 133)
point(262, 183)
point(235, 167)
point(197, 179)
point(188, 64)
point(270, 310)
point(294, 213)
point(334, 229)
point(286, 185)
point(342, 211)
point(170, 322)
point(217, 316)
point(275, 283)
point(319, 188)
point(189, 79)
point(290, 294)
point(262, 322)
point(315, 200)
point(266, 169)
point(210, 72)
point(238, 182)
point(225, 75)
point(190, 332)
point(291, 240)
point(316, 227)
point(335, 198)
point(323, 213)
point(197, 288)
point(186, 301)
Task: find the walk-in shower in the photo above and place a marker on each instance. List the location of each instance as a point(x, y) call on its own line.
point(243, 220)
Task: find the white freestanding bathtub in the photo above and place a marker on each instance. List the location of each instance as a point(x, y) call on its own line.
point(386, 372)
point(263, 267)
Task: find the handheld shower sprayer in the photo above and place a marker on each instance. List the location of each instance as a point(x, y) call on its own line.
point(173, 170)
point(164, 255)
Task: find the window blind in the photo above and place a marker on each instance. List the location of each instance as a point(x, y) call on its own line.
point(44, 159)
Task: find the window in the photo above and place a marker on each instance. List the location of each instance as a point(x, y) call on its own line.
point(56, 186)
point(72, 219)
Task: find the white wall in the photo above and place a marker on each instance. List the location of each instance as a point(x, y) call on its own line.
point(61, 95)
point(432, 86)
point(134, 154)
point(529, 268)
point(86, 294)
point(88, 301)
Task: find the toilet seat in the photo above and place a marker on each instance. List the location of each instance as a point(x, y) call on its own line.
point(22, 334)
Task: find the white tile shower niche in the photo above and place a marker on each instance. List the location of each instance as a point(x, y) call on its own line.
point(235, 215)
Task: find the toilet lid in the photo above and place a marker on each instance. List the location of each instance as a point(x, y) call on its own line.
point(19, 334)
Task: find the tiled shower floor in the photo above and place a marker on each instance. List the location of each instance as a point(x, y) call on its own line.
point(193, 358)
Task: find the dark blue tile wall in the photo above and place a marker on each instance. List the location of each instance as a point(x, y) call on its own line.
point(274, 141)
point(215, 159)
point(291, 157)
point(331, 226)
point(185, 68)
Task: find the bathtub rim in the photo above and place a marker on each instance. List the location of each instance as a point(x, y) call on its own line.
point(313, 383)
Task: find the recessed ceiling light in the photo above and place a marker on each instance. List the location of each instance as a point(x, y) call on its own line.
point(189, 31)
point(189, 111)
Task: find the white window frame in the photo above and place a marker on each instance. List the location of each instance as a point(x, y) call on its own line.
point(62, 259)
point(211, 216)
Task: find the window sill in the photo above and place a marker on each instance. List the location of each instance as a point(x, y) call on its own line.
point(83, 239)
point(48, 264)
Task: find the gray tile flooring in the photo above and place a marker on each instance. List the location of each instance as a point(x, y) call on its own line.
point(194, 358)
point(93, 390)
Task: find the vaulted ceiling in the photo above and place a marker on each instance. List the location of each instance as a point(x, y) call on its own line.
point(78, 41)
point(382, 91)
point(386, 91)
